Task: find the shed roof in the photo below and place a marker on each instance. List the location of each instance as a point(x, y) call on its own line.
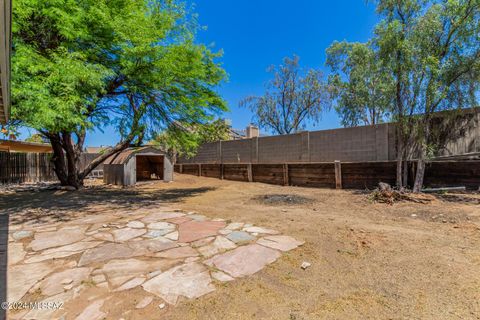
point(125, 155)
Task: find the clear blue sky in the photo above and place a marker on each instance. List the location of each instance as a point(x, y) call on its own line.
point(257, 34)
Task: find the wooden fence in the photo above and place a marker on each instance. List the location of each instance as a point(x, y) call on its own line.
point(347, 175)
point(18, 167)
point(25, 167)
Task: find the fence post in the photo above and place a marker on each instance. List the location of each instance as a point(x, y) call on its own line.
point(221, 171)
point(249, 172)
point(199, 169)
point(338, 174)
point(181, 168)
point(286, 178)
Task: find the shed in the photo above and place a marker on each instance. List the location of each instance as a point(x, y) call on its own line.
point(137, 164)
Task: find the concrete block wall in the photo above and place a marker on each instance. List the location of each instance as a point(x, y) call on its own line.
point(357, 144)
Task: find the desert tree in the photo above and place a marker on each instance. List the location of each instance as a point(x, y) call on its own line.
point(433, 48)
point(132, 64)
point(362, 87)
point(291, 99)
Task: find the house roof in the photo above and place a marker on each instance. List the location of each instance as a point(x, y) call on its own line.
point(5, 50)
point(23, 146)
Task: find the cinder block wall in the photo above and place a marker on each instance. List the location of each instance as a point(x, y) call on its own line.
point(357, 144)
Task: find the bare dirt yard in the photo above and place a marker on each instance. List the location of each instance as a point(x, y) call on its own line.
point(368, 260)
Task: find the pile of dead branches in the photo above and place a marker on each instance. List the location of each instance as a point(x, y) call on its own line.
point(386, 194)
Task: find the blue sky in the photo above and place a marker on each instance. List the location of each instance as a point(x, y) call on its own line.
point(257, 34)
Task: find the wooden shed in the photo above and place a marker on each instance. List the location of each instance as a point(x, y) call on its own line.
point(137, 164)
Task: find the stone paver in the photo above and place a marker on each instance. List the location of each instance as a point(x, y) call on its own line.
point(220, 244)
point(240, 236)
point(260, 230)
point(156, 251)
point(55, 283)
point(125, 234)
point(93, 311)
point(106, 252)
point(22, 277)
point(144, 302)
point(135, 282)
point(178, 253)
point(195, 230)
point(45, 240)
point(191, 280)
point(283, 243)
point(245, 260)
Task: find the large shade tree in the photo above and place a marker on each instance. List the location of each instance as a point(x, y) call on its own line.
point(292, 99)
point(133, 64)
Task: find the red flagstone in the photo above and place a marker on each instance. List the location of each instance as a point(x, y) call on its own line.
point(179, 220)
point(195, 230)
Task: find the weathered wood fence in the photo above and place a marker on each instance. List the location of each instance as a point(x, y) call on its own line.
point(18, 167)
point(25, 167)
point(347, 175)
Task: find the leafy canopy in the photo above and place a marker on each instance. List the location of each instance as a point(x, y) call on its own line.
point(184, 141)
point(362, 85)
point(134, 64)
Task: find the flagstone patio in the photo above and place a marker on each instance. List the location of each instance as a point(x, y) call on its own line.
point(155, 255)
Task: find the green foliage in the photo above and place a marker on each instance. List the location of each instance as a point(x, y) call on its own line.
point(36, 137)
point(291, 99)
point(77, 65)
point(362, 86)
point(184, 141)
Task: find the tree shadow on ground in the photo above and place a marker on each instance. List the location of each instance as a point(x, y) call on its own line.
point(38, 208)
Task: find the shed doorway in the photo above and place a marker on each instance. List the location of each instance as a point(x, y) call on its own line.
point(149, 167)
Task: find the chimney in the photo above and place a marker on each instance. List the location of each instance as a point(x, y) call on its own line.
point(252, 131)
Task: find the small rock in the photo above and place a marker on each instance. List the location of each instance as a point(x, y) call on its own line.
point(413, 215)
point(305, 265)
point(66, 281)
point(68, 287)
point(161, 305)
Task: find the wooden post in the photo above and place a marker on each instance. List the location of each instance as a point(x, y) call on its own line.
point(199, 169)
point(249, 172)
point(338, 174)
point(221, 171)
point(286, 178)
point(181, 168)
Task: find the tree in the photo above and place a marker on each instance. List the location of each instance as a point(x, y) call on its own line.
point(433, 48)
point(184, 140)
point(36, 138)
point(290, 100)
point(133, 64)
point(362, 86)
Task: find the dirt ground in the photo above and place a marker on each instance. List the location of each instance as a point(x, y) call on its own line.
point(368, 260)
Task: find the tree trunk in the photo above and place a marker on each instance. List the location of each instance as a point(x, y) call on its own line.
point(405, 173)
point(73, 161)
point(417, 187)
point(58, 159)
point(400, 153)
